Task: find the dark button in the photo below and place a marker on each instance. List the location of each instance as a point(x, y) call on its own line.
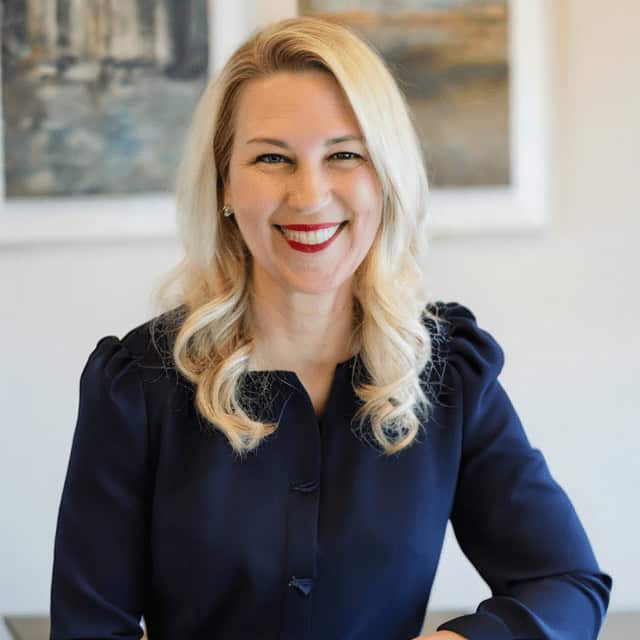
point(303, 585)
point(305, 487)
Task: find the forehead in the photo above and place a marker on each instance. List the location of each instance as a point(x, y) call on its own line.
point(307, 101)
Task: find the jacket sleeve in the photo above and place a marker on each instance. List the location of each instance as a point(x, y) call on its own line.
point(511, 519)
point(100, 544)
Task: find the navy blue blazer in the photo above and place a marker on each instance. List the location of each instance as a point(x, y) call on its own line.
point(316, 535)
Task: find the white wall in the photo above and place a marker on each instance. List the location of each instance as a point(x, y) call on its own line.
point(564, 306)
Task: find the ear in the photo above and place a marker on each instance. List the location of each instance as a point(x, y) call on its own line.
point(226, 192)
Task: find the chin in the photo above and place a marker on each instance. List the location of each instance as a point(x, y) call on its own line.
point(319, 286)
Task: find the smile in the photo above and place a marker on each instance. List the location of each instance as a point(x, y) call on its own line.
point(312, 241)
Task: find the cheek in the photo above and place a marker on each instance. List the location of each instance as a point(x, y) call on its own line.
point(367, 223)
point(368, 201)
point(253, 194)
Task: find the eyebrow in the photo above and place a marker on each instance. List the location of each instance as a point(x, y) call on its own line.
point(284, 145)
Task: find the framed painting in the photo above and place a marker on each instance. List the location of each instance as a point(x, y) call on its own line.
point(476, 76)
point(96, 101)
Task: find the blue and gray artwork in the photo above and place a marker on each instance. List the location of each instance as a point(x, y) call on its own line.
point(451, 59)
point(97, 96)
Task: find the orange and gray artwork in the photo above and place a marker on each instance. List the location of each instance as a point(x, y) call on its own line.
point(451, 59)
point(97, 96)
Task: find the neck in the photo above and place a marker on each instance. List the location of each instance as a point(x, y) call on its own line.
point(301, 331)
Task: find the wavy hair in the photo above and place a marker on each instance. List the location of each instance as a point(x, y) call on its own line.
point(208, 292)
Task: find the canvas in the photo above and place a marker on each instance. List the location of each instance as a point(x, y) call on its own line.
point(451, 59)
point(97, 96)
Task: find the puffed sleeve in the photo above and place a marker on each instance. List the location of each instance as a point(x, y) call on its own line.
point(510, 517)
point(100, 544)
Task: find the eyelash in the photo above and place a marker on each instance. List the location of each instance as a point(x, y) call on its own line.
point(277, 155)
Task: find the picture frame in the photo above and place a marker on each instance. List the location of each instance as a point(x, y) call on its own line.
point(44, 220)
point(522, 207)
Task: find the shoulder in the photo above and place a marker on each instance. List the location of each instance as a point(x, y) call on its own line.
point(145, 349)
point(464, 349)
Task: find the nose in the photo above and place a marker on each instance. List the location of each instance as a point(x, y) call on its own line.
point(309, 189)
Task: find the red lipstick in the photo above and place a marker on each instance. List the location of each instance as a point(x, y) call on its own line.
point(313, 248)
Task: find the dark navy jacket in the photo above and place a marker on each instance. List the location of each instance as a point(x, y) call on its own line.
point(316, 535)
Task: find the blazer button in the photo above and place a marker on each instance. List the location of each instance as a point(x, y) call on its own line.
point(305, 487)
point(303, 585)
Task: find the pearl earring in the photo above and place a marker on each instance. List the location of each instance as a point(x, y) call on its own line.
point(227, 211)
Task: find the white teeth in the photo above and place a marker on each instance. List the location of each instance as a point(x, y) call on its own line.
point(310, 237)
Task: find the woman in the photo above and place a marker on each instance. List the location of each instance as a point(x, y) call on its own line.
point(277, 456)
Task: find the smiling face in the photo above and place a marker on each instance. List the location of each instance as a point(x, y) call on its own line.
point(298, 158)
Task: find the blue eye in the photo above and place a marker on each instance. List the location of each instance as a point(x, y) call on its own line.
point(269, 155)
point(351, 154)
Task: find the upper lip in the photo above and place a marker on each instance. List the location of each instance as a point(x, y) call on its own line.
point(310, 227)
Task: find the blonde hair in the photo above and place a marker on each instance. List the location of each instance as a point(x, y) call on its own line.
point(211, 326)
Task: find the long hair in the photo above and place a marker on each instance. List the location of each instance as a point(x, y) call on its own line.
point(209, 290)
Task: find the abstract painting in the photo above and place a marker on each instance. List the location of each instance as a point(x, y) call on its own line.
point(451, 60)
point(97, 95)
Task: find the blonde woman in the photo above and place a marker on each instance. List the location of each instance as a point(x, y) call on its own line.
point(277, 454)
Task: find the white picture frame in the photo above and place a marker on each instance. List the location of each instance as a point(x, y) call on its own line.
point(42, 220)
point(521, 207)
point(524, 205)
